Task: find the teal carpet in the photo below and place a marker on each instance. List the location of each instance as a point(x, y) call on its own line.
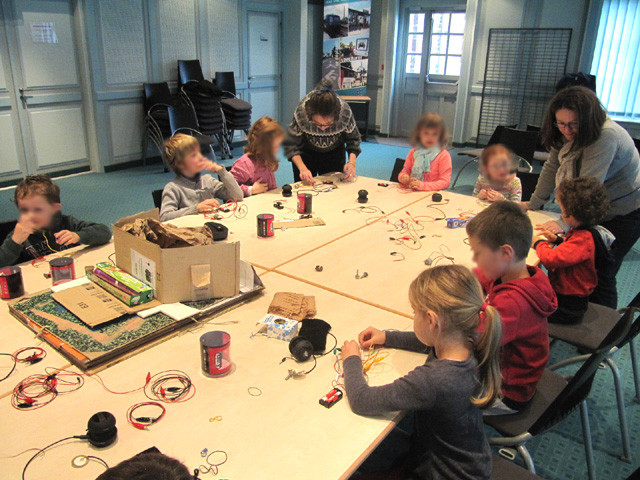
point(559, 454)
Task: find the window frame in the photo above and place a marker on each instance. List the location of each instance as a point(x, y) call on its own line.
point(438, 78)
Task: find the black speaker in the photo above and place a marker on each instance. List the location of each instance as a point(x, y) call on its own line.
point(301, 349)
point(101, 429)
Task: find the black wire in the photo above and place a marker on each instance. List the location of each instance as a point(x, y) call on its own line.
point(15, 362)
point(98, 459)
point(24, 470)
point(315, 364)
point(327, 352)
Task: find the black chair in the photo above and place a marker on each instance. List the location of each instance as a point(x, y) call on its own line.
point(183, 120)
point(397, 168)
point(506, 470)
point(6, 228)
point(529, 180)
point(588, 335)
point(237, 112)
point(555, 398)
point(189, 71)
point(497, 133)
point(157, 198)
point(157, 100)
point(637, 142)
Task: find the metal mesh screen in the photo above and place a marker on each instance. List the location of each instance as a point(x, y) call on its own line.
point(522, 68)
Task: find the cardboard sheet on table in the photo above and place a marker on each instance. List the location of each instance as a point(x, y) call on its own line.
point(95, 306)
point(299, 223)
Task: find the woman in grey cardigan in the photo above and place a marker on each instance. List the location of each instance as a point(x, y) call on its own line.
point(583, 141)
point(320, 135)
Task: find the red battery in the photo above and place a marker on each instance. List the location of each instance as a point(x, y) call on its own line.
point(11, 285)
point(304, 202)
point(265, 225)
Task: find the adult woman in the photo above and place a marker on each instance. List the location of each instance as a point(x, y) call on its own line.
point(323, 130)
point(583, 141)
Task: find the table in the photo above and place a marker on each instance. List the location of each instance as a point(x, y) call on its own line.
point(284, 429)
point(359, 105)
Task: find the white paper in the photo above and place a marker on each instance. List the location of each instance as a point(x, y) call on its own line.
point(143, 269)
point(69, 284)
point(177, 311)
point(43, 32)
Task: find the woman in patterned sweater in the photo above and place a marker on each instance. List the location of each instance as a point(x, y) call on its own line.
point(321, 134)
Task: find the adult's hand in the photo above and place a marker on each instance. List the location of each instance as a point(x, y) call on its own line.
point(349, 170)
point(306, 176)
point(524, 206)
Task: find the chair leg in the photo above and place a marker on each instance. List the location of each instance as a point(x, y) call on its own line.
point(526, 456)
point(622, 416)
point(463, 167)
point(634, 367)
point(588, 445)
point(145, 141)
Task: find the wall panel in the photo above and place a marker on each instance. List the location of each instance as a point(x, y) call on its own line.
point(177, 35)
point(125, 124)
point(224, 36)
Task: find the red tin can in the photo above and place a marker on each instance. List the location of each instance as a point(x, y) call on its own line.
point(265, 225)
point(304, 202)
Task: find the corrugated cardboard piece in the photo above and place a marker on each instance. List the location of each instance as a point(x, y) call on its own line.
point(178, 274)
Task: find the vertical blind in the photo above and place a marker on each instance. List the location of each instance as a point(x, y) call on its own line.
point(616, 58)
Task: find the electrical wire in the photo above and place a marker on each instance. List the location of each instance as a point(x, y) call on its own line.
point(212, 467)
point(37, 356)
point(24, 470)
point(364, 209)
point(170, 386)
point(228, 210)
point(142, 423)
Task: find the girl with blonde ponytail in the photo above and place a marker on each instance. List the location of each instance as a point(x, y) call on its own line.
point(460, 376)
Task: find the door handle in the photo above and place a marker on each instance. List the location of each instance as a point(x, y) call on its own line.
point(23, 97)
point(251, 77)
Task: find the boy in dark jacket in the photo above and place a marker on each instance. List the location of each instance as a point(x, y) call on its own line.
point(576, 259)
point(500, 237)
point(42, 229)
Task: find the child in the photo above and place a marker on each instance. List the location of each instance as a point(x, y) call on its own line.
point(148, 466)
point(191, 192)
point(462, 374)
point(573, 263)
point(500, 238)
point(428, 165)
point(497, 179)
point(254, 170)
point(42, 229)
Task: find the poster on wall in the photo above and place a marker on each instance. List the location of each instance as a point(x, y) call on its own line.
point(345, 45)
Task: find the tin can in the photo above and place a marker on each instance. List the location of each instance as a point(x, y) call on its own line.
point(62, 270)
point(265, 225)
point(215, 353)
point(304, 202)
point(11, 285)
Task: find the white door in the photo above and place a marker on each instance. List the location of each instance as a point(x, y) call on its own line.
point(264, 63)
point(41, 97)
point(429, 65)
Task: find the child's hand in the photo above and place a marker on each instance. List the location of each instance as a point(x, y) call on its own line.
point(372, 336)
point(482, 194)
point(66, 237)
point(544, 234)
point(404, 179)
point(208, 205)
point(415, 184)
point(23, 229)
point(551, 226)
point(350, 349)
point(494, 196)
point(258, 187)
point(212, 166)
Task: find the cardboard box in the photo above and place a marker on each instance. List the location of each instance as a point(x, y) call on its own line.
point(275, 326)
point(178, 274)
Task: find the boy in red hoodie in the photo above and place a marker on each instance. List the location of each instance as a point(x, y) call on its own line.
point(575, 261)
point(500, 238)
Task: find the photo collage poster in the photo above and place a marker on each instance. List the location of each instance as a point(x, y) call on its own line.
point(345, 45)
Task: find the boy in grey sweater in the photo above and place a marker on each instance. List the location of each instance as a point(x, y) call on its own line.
point(42, 229)
point(191, 192)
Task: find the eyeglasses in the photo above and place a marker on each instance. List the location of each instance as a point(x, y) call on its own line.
point(567, 126)
point(500, 166)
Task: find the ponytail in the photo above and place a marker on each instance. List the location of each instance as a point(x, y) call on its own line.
point(486, 350)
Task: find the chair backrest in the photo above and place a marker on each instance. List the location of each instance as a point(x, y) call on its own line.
point(189, 71)
point(637, 142)
point(182, 116)
point(155, 93)
point(226, 81)
point(536, 128)
point(397, 168)
point(633, 309)
point(520, 142)
point(157, 198)
point(579, 385)
point(6, 228)
point(495, 136)
point(529, 180)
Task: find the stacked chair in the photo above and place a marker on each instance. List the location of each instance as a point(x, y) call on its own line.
point(205, 99)
point(237, 112)
point(157, 101)
point(183, 120)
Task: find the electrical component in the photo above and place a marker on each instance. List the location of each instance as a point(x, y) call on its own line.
point(319, 268)
point(362, 196)
point(331, 398)
point(142, 423)
point(33, 355)
point(170, 386)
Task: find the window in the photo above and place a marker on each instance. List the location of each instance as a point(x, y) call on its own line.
point(616, 57)
point(445, 43)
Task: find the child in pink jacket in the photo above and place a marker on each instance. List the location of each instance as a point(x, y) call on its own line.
point(428, 165)
point(254, 171)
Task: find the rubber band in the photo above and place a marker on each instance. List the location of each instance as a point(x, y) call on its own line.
point(250, 390)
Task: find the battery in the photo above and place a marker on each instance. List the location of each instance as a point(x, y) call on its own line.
point(304, 202)
point(265, 225)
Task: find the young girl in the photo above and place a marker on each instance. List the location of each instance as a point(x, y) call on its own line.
point(461, 373)
point(497, 179)
point(428, 165)
point(254, 170)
